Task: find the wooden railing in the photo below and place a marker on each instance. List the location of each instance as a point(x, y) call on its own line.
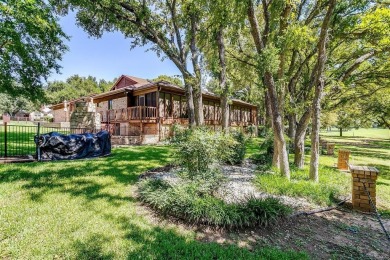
point(130, 113)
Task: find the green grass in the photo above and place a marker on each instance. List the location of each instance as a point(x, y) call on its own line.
point(20, 137)
point(372, 133)
point(332, 185)
point(368, 147)
point(252, 146)
point(86, 209)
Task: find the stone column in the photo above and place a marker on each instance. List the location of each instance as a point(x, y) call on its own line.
point(363, 176)
point(85, 117)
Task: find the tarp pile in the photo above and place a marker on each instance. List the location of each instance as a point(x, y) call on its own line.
point(56, 146)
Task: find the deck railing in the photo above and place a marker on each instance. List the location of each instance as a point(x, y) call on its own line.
point(130, 113)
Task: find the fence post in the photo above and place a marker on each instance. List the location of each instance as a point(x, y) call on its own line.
point(38, 150)
point(5, 139)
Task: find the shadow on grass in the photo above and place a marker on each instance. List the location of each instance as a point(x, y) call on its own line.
point(166, 243)
point(78, 177)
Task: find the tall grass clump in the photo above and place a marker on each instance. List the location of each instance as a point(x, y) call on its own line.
point(189, 203)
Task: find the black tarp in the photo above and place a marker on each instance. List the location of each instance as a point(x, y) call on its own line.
point(56, 146)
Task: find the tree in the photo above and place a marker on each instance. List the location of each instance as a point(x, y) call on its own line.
point(170, 26)
point(267, 55)
point(175, 80)
point(318, 82)
point(12, 105)
point(75, 87)
point(31, 43)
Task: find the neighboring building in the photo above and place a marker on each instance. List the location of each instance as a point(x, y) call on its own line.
point(139, 111)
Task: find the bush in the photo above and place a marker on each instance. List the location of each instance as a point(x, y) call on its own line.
point(198, 149)
point(186, 201)
point(238, 148)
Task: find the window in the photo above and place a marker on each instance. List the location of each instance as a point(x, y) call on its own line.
point(109, 104)
point(150, 99)
point(141, 101)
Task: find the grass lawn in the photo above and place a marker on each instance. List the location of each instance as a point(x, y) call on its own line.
point(86, 210)
point(368, 147)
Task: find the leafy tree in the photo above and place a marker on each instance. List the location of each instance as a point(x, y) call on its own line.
point(75, 87)
point(31, 43)
point(171, 79)
point(11, 105)
point(170, 26)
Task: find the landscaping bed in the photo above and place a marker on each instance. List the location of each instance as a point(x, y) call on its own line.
point(237, 187)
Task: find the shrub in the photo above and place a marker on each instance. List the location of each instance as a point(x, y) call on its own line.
point(187, 202)
point(237, 148)
point(198, 149)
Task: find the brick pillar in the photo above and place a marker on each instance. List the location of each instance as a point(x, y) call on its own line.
point(343, 159)
point(330, 148)
point(368, 176)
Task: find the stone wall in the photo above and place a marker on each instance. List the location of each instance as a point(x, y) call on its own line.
point(85, 116)
point(119, 103)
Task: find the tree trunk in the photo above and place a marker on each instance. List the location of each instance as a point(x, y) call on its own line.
point(268, 110)
point(222, 80)
point(299, 140)
point(279, 142)
point(315, 140)
point(280, 149)
point(190, 101)
point(292, 125)
point(225, 112)
point(318, 82)
point(341, 131)
point(198, 104)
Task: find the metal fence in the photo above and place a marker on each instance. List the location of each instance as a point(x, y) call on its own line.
point(18, 140)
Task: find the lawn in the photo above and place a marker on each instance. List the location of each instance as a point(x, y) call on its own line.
point(86, 209)
point(368, 147)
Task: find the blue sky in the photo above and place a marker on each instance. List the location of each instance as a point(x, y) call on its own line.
point(107, 57)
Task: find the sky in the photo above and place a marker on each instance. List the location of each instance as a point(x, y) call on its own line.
point(108, 57)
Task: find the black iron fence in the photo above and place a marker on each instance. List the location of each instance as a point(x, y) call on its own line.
point(18, 140)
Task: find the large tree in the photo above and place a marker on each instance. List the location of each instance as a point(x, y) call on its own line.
point(31, 43)
point(75, 87)
point(171, 27)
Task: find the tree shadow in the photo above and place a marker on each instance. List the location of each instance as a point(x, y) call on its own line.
point(83, 178)
point(92, 248)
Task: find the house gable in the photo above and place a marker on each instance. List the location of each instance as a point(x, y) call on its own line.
point(123, 82)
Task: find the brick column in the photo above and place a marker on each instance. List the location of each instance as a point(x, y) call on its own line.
point(368, 176)
point(343, 159)
point(330, 148)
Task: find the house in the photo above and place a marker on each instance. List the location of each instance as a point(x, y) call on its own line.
point(140, 111)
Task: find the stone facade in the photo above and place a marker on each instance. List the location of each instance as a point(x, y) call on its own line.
point(119, 103)
point(363, 181)
point(84, 116)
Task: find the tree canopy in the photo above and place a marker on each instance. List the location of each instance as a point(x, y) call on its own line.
point(31, 43)
point(75, 87)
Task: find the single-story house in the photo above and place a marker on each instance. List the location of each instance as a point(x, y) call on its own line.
point(140, 111)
